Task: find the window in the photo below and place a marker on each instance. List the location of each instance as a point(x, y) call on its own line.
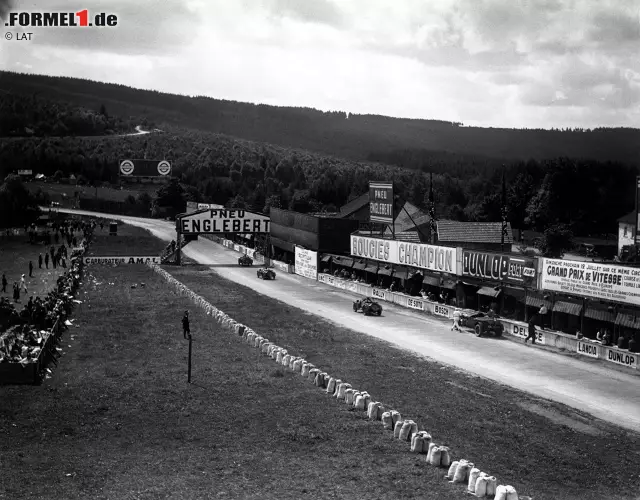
point(626, 229)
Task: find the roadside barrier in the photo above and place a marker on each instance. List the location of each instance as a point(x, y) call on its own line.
point(459, 471)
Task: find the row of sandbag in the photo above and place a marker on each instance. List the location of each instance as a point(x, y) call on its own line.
point(478, 483)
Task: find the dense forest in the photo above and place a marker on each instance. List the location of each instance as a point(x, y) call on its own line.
point(586, 195)
point(359, 137)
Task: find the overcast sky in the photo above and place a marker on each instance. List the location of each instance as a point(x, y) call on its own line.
point(511, 63)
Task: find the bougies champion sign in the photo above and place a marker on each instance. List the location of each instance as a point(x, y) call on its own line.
point(121, 260)
point(306, 263)
point(432, 257)
point(222, 221)
point(590, 279)
point(381, 202)
point(498, 267)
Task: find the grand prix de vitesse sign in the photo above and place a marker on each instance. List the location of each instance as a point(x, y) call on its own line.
point(222, 221)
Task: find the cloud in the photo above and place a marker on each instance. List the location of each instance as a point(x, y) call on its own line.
point(5, 7)
point(539, 63)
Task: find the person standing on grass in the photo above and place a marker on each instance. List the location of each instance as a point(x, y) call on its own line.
point(4, 283)
point(23, 284)
point(30, 269)
point(185, 325)
point(46, 260)
point(53, 260)
point(532, 331)
point(40, 261)
point(16, 292)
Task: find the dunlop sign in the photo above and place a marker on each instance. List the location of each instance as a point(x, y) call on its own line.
point(381, 202)
point(222, 221)
point(434, 258)
point(590, 279)
point(498, 267)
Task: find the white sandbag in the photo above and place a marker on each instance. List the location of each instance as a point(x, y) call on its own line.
point(396, 429)
point(331, 386)
point(297, 366)
point(412, 431)
point(405, 430)
point(381, 410)
point(436, 456)
point(462, 471)
point(473, 477)
point(430, 448)
point(366, 400)
point(334, 392)
point(292, 360)
point(319, 382)
point(305, 369)
point(313, 373)
point(501, 493)
point(372, 410)
point(481, 486)
point(342, 390)
point(349, 396)
point(355, 396)
point(417, 443)
point(387, 421)
point(256, 342)
point(426, 441)
point(452, 470)
point(396, 416)
point(360, 403)
point(445, 456)
point(492, 484)
point(511, 493)
point(327, 377)
point(285, 359)
point(265, 347)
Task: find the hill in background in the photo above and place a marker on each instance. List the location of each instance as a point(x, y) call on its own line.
point(359, 137)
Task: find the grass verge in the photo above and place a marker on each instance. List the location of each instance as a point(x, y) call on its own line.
point(544, 449)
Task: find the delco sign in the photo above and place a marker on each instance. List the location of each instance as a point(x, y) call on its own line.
point(498, 267)
point(222, 221)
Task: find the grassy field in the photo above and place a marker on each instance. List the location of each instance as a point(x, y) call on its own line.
point(130, 241)
point(15, 254)
point(60, 192)
point(545, 450)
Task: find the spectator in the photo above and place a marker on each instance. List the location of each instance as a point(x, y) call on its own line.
point(606, 338)
point(633, 345)
point(30, 269)
point(4, 283)
point(456, 320)
point(23, 284)
point(579, 334)
point(543, 315)
point(532, 331)
point(40, 261)
point(185, 325)
point(599, 335)
point(623, 341)
point(46, 260)
point(16, 292)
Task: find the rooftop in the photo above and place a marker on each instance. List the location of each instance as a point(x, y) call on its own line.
point(472, 232)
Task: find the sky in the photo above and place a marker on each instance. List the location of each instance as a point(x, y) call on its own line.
point(489, 63)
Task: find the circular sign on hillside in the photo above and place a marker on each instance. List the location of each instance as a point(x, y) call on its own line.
point(126, 167)
point(164, 167)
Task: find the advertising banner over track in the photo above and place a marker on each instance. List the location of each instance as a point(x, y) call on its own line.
point(381, 202)
point(432, 257)
point(499, 267)
point(222, 221)
point(306, 263)
point(591, 279)
point(117, 259)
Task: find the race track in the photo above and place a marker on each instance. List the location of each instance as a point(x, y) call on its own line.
point(610, 395)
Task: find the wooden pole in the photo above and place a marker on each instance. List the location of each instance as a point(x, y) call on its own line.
point(189, 363)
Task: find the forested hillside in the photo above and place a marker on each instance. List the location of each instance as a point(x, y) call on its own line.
point(586, 194)
point(358, 137)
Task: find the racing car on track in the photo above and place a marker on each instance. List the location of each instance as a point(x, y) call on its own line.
point(245, 260)
point(368, 307)
point(266, 273)
point(483, 323)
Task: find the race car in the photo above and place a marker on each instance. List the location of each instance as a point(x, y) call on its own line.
point(483, 324)
point(266, 273)
point(245, 260)
point(368, 307)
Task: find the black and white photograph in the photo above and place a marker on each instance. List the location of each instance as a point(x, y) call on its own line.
point(400, 239)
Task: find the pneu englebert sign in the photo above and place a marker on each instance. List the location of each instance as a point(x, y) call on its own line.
point(498, 267)
point(591, 279)
point(306, 263)
point(381, 202)
point(222, 221)
point(431, 257)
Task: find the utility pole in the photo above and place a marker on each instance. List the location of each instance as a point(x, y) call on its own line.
point(503, 211)
point(189, 362)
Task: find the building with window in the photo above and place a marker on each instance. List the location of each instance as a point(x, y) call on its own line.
point(626, 231)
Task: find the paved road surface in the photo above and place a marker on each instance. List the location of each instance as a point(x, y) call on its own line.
point(607, 394)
